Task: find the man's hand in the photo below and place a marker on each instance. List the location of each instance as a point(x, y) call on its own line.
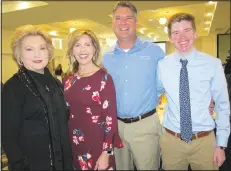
point(102, 162)
point(219, 156)
point(159, 98)
point(211, 107)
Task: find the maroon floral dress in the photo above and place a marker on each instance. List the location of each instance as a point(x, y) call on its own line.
point(93, 118)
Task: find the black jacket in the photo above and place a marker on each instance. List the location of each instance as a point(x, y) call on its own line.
point(228, 67)
point(34, 123)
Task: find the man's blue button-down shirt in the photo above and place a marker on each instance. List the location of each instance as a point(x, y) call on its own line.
point(134, 76)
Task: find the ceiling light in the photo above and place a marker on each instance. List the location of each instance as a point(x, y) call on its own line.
point(142, 30)
point(162, 20)
point(209, 14)
point(156, 37)
point(23, 5)
point(207, 22)
point(53, 33)
point(211, 2)
point(206, 28)
point(166, 29)
point(72, 29)
point(150, 35)
point(150, 19)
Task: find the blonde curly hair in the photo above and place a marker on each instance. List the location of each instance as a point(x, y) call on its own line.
point(23, 32)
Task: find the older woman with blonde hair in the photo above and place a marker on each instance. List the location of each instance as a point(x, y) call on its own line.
point(34, 112)
point(90, 94)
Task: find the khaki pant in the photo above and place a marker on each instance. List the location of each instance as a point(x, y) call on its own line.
point(141, 144)
point(177, 154)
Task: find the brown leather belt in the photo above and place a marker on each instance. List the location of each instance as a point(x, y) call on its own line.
point(195, 136)
point(130, 120)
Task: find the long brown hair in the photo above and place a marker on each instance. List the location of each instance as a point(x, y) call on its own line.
point(72, 39)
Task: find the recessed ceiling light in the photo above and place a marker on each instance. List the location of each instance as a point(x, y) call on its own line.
point(23, 5)
point(166, 29)
point(72, 29)
point(207, 22)
point(206, 28)
point(209, 14)
point(162, 20)
point(156, 37)
point(211, 2)
point(150, 35)
point(142, 30)
point(53, 33)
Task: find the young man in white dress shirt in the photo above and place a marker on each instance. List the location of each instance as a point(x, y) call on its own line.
point(190, 80)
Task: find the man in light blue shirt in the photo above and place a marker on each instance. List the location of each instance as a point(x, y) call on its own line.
point(132, 64)
point(190, 80)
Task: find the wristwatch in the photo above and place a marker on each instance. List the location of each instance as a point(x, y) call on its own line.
point(223, 148)
point(110, 152)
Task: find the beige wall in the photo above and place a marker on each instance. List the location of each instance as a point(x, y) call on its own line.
point(224, 47)
point(9, 67)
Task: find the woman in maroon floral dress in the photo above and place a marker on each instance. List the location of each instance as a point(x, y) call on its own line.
point(90, 94)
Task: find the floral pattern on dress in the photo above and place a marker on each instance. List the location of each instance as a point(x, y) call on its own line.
point(107, 147)
point(96, 97)
point(77, 136)
point(95, 119)
point(85, 161)
point(87, 87)
point(71, 116)
point(108, 124)
point(94, 108)
point(105, 104)
point(103, 83)
point(69, 82)
point(88, 110)
point(121, 145)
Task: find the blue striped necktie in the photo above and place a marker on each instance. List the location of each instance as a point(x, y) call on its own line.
point(185, 108)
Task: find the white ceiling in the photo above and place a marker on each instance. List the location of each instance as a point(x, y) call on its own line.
point(95, 15)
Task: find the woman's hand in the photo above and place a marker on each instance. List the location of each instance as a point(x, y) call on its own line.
point(103, 161)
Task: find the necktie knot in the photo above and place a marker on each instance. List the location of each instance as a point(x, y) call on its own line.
point(184, 62)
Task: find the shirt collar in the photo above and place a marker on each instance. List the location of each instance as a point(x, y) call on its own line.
point(190, 56)
point(136, 46)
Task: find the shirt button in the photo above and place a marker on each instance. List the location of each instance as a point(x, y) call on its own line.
point(126, 80)
point(126, 66)
point(126, 94)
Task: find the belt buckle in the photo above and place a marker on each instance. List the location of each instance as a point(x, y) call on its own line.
point(131, 120)
point(185, 141)
point(140, 117)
